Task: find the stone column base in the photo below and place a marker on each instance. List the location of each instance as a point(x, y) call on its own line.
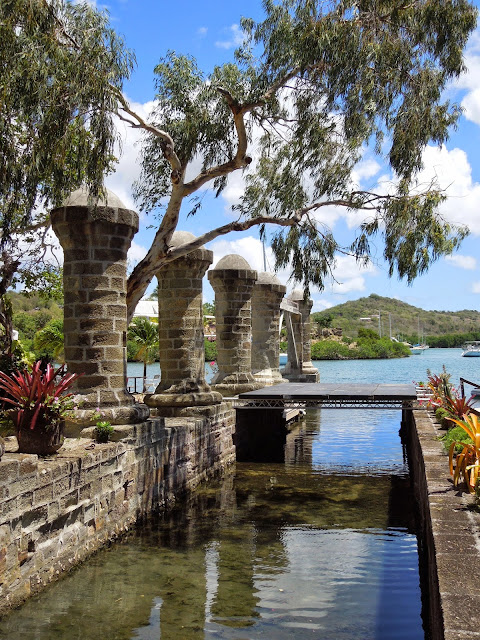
point(298, 376)
point(119, 415)
point(268, 377)
point(235, 383)
point(178, 400)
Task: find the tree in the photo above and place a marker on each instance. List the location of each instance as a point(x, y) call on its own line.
point(59, 62)
point(208, 308)
point(50, 340)
point(312, 85)
point(144, 334)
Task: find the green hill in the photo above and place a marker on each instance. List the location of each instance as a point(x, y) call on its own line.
point(406, 321)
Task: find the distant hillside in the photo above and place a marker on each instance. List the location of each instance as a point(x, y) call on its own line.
point(406, 321)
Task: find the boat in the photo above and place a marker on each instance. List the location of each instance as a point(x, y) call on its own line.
point(418, 349)
point(471, 349)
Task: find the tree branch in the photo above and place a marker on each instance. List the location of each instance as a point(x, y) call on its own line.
point(168, 145)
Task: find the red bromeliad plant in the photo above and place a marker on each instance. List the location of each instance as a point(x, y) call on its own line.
point(457, 406)
point(38, 397)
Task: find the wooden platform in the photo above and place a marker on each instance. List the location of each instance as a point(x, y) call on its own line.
point(330, 395)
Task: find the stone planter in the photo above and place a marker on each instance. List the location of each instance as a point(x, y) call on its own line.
point(42, 440)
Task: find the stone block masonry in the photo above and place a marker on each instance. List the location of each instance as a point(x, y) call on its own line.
point(56, 511)
point(449, 536)
point(95, 242)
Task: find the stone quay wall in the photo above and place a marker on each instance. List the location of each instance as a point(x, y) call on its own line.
point(56, 511)
point(449, 536)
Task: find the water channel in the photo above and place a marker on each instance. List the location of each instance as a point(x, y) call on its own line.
point(322, 546)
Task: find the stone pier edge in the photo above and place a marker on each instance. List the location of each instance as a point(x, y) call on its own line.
point(55, 512)
point(449, 536)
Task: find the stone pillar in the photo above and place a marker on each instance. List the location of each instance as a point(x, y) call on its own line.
point(95, 242)
point(233, 281)
point(181, 337)
point(299, 367)
point(266, 298)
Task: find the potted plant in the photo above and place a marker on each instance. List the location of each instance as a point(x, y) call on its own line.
point(37, 403)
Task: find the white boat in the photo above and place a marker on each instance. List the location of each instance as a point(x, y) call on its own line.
point(471, 349)
point(418, 349)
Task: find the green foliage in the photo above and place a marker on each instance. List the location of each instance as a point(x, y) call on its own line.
point(368, 334)
point(330, 350)
point(365, 349)
point(313, 85)
point(440, 328)
point(211, 351)
point(144, 335)
point(442, 416)
point(467, 462)
point(59, 63)
point(103, 431)
point(209, 308)
point(62, 66)
point(323, 320)
point(457, 435)
point(49, 341)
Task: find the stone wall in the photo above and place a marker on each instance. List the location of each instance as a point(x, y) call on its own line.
point(449, 536)
point(56, 511)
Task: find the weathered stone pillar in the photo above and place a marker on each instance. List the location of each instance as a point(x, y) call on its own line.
point(233, 281)
point(95, 242)
point(267, 295)
point(299, 367)
point(181, 337)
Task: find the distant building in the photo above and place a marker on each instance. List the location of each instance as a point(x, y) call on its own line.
point(147, 309)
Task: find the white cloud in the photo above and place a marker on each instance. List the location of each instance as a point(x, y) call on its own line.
point(236, 38)
point(471, 104)
point(476, 287)
point(453, 172)
point(365, 169)
point(464, 262)
point(321, 305)
point(470, 80)
point(348, 274)
point(136, 253)
point(235, 189)
point(202, 31)
point(128, 168)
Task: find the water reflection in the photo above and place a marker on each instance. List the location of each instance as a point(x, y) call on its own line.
point(278, 551)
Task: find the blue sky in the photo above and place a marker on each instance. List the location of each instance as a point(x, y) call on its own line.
point(209, 31)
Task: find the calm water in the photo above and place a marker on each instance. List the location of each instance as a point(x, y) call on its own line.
point(322, 546)
point(397, 370)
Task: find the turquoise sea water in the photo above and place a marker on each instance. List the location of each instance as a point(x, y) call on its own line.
point(396, 370)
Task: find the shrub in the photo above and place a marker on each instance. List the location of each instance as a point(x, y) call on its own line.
point(211, 351)
point(441, 413)
point(330, 350)
point(457, 435)
point(369, 334)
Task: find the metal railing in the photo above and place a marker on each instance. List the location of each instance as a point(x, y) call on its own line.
point(329, 403)
point(464, 381)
